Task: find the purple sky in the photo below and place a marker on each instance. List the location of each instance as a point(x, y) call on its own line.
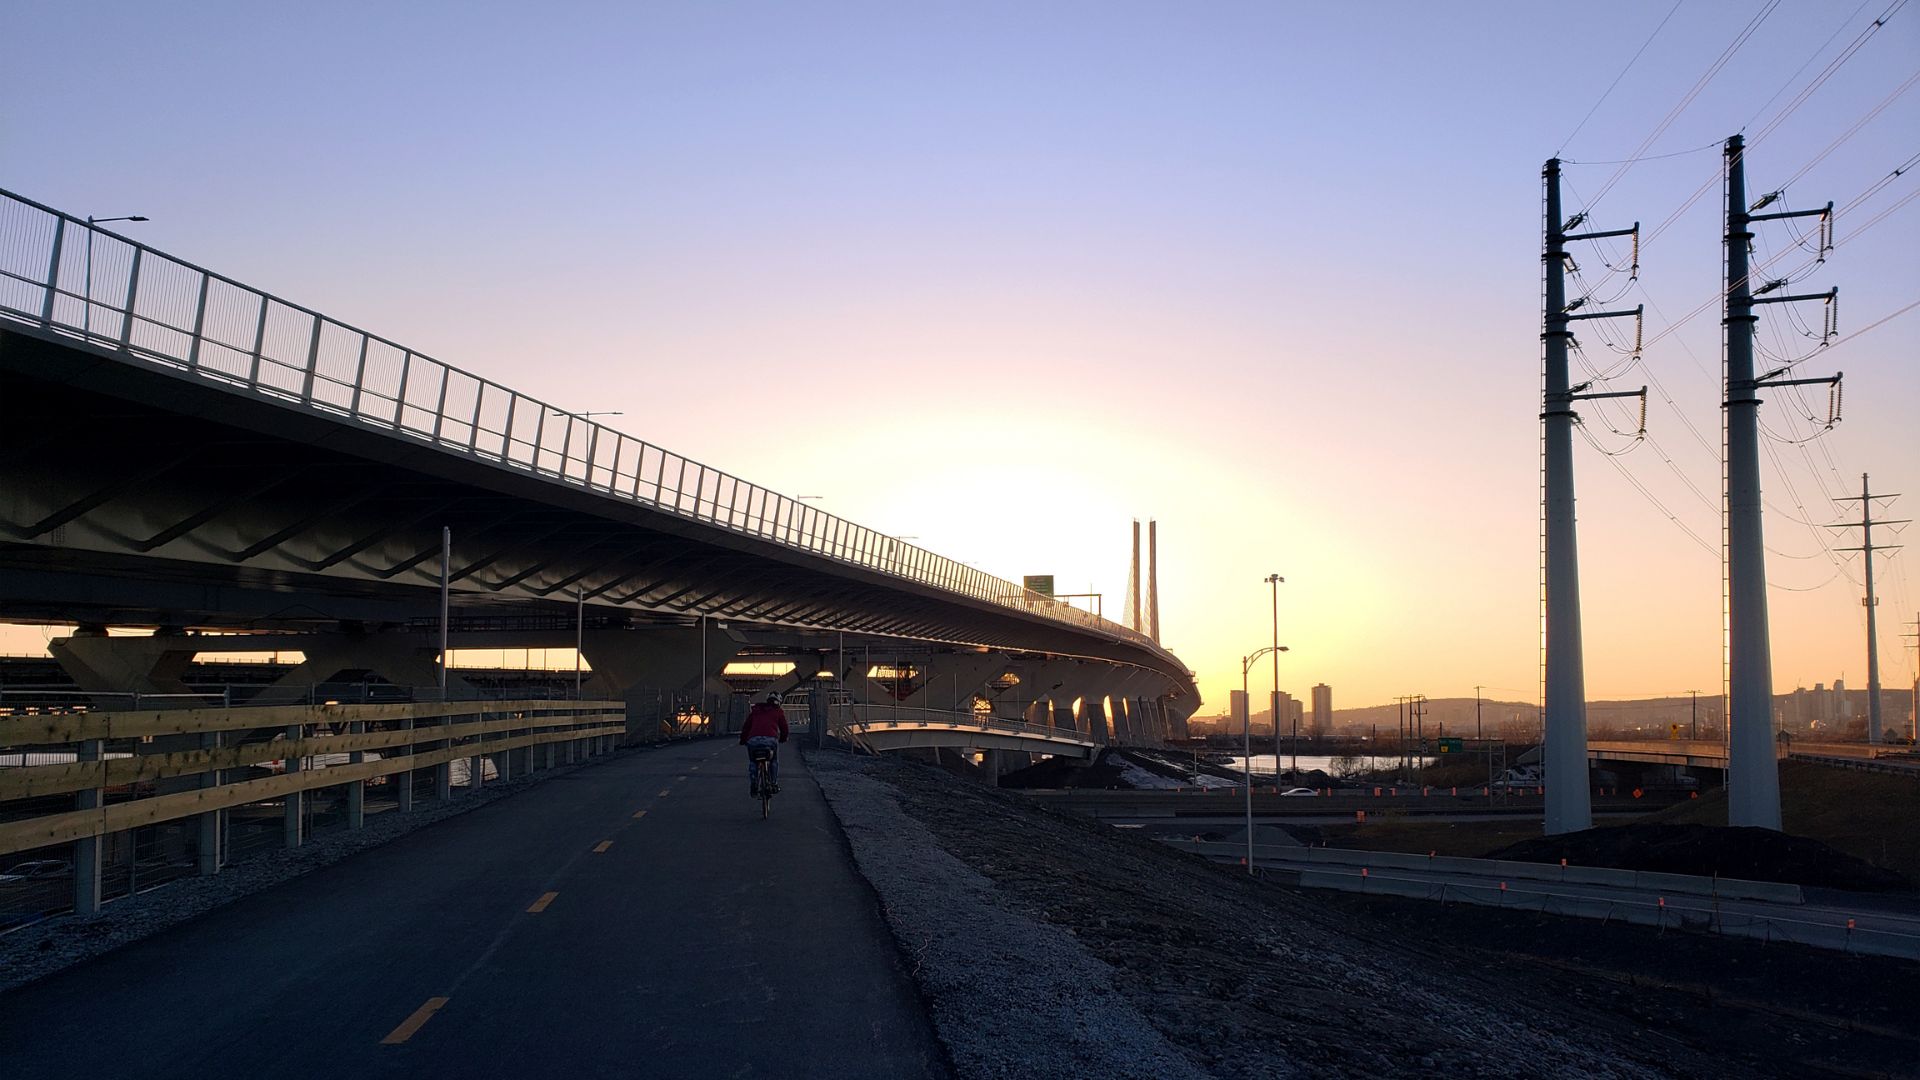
point(1004, 276)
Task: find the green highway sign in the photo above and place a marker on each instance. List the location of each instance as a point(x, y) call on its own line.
point(1452, 746)
point(1040, 583)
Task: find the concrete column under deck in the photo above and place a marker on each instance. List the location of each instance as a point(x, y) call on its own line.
point(650, 667)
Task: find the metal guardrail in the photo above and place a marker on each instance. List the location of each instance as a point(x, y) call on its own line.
point(1890, 765)
point(63, 275)
point(863, 718)
point(463, 730)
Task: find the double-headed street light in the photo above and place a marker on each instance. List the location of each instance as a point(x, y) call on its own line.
point(1246, 734)
point(86, 315)
point(1275, 580)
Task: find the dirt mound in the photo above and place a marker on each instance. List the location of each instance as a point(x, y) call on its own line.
point(1059, 773)
point(1744, 852)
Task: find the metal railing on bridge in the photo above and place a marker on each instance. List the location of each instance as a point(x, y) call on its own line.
point(74, 279)
point(862, 718)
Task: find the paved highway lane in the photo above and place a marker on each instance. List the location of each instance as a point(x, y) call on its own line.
point(634, 918)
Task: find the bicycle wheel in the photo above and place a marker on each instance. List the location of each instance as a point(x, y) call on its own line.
point(766, 793)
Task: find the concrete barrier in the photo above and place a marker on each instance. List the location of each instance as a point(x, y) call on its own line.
point(1530, 897)
point(1509, 870)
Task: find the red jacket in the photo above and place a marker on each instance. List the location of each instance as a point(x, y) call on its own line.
point(764, 719)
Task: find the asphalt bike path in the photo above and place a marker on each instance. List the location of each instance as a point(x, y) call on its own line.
point(632, 918)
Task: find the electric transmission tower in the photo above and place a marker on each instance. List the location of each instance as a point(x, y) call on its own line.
point(1753, 771)
point(1913, 703)
point(1870, 601)
point(1569, 806)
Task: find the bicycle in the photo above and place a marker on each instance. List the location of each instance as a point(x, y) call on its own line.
point(762, 757)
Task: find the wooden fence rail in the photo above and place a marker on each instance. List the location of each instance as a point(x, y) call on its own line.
point(462, 732)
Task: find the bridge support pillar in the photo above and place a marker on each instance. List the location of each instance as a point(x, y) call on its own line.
point(124, 669)
point(410, 661)
point(653, 668)
point(1177, 711)
point(1093, 714)
point(950, 681)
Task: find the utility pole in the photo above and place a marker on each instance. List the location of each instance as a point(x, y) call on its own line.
point(1274, 580)
point(1913, 703)
point(1696, 714)
point(1753, 768)
point(1400, 731)
point(1569, 806)
point(1871, 602)
point(1477, 734)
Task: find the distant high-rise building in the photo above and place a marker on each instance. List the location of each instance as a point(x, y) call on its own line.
point(1322, 710)
point(1283, 713)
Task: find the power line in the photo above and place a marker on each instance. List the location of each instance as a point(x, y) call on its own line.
point(1854, 14)
point(1828, 72)
point(1799, 99)
point(1687, 99)
point(1623, 74)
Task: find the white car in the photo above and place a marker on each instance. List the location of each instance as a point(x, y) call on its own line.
point(41, 870)
point(1298, 792)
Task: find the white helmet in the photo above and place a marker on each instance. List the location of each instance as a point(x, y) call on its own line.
point(773, 697)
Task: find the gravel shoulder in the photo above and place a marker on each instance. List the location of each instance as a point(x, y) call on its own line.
point(1049, 945)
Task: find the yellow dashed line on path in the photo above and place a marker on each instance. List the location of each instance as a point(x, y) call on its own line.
point(639, 814)
point(540, 905)
point(601, 847)
point(664, 792)
point(682, 777)
point(413, 1023)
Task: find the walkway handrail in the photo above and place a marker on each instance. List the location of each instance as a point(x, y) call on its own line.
point(143, 304)
point(464, 731)
point(883, 716)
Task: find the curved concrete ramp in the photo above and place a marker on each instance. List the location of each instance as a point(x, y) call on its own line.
point(883, 730)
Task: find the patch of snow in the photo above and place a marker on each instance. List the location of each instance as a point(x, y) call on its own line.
point(1136, 777)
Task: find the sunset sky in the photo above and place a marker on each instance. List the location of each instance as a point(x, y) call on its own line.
point(1004, 277)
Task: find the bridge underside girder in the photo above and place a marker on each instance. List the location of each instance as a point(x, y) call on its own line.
point(135, 495)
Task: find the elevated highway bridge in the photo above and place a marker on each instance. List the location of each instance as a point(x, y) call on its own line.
point(190, 454)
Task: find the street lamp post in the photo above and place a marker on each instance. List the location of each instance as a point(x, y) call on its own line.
point(1246, 737)
point(1273, 701)
point(86, 312)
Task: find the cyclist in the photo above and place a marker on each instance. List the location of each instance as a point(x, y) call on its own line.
point(766, 726)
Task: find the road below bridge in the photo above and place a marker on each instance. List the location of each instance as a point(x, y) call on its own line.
point(635, 918)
